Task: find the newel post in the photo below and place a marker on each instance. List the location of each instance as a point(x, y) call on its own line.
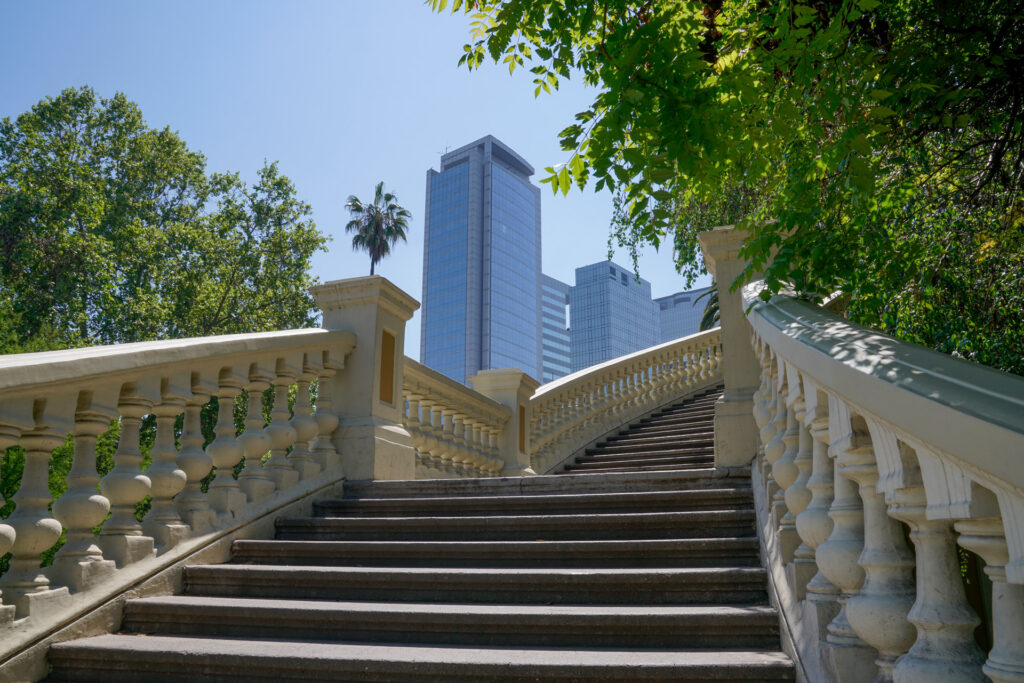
point(367, 396)
point(736, 433)
point(512, 389)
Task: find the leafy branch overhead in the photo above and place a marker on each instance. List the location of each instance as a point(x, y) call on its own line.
point(875, 148)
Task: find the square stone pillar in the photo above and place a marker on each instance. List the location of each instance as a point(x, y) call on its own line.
point(512, 389)
point(736, 433)
point(367, 394)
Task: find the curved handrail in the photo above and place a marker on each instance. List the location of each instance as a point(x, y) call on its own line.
point(950, 404)
point(570, 412)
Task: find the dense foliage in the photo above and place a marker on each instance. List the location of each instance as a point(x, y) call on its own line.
point(112, 231)
point(877, 147)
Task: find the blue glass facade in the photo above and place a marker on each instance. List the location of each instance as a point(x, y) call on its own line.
point(447, 252)
point(510, 339)
point(680, 313)
point(481, 263)
point(554, 329)
point(610, 314)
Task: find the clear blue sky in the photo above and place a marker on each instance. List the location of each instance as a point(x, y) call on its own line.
point(342, 93)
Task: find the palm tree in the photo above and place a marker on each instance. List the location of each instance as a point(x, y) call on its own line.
point(710, 318)
point(377, 226)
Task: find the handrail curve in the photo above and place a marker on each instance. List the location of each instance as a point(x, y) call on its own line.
point(862, 434)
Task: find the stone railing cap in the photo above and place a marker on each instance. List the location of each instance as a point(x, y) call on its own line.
point(584, 375)
point(360, 291)
point(419, 376)
point(503, 378)
point(25, 371)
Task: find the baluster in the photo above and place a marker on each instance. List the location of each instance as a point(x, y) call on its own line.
point(986, 537)
point(192, 459)
point(765, 419)
point(225, 451)
point(429, 426)
point(813, 524)
point(878, 612)
point(254, 480)
point(786, 472)
point(281, 432)
point(837, 556)
point(776, 447)
point(460, 457)
point(447, 440)
point(25, 584)
point(322, 447)
point(15, 418)
point(497, 464)
point(80, 564)
point(798, 496)
point(945, 648)
point(122, 539)
point(167, 480)
point(304, 424)
point(414, 426)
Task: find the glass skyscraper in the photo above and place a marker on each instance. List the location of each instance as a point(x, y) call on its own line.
point(554, 329)
point(681, 313)
point(481, 263)
point(610, 314)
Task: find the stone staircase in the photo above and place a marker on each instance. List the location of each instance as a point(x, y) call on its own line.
point(640, 563)
point(679, 437)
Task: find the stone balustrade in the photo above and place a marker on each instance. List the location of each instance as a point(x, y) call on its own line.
point(47, 397)
point(571, 413)
point(879, 461)
point(455, 430)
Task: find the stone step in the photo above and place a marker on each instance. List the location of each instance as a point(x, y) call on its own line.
point(703, 403)
point(571, 469)
point(666, 626)
point(642, 460)
point(675, 552)
point(702, 446)
point(631, 437)
point(688, 524)
point(550, 484)
point(687, 418)
point(460, 506)
point(667, 431)
point(524, 586)
point(116, 658)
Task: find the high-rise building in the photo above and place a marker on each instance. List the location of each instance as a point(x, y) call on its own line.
point(481, 263)
point(681, 313)
point(610, 314)
point(554, 330)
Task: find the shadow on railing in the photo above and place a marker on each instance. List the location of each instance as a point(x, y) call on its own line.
point(863, 438)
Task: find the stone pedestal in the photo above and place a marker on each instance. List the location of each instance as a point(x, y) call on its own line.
point(736, 433)
point(367, 395)
point(512, 389)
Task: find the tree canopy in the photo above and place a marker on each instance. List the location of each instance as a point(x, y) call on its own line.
point(877, 147)
point(112, 231)
point(377, 226)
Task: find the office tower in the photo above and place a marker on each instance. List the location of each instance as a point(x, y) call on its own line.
point(481, 263)
point(554, 329)
point(681, 313)
point(610, 314)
